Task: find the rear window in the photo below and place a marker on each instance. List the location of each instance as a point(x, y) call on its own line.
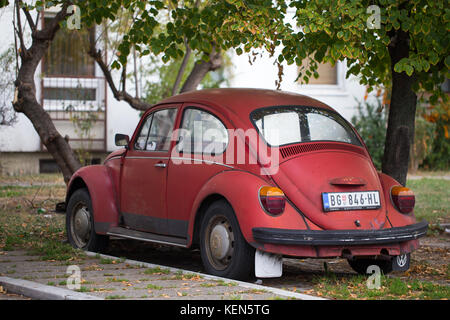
point(296, 124)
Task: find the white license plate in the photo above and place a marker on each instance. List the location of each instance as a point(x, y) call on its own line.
point(357, 200)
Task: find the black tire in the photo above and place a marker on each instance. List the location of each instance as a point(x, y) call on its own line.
point(80, 223)
point(360, 265)
point(231, 256)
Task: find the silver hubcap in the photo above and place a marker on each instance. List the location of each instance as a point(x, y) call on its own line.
point(219, 242)
point(81, 226)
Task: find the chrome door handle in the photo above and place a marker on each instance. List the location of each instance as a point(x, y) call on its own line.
point(160, 165)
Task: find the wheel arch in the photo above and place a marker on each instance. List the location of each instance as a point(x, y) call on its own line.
point(204, 205)
point(239, 189)
point(100, 186)
point(75, 183)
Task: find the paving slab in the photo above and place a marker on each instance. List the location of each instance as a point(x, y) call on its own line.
point(109, 277)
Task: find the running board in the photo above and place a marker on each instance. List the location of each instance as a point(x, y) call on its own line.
point(146, 236)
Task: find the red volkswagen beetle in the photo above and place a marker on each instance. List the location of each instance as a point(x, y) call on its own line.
point(248, 176)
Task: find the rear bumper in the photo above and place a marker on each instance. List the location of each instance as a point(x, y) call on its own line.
point(340, 237)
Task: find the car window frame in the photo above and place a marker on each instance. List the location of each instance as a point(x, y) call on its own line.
point(189, 106)
point(142, 123)
point(361, 142)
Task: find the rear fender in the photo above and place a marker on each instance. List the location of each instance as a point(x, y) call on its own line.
point(241, 189)
point(97, 180)
point(396, 218)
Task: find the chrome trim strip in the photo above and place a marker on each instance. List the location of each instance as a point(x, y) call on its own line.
point(180, 158)
point(146, 239)
point(203, 160)
point(146, 157)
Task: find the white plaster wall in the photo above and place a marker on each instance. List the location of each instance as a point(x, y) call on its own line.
point(262, 73)
point(121, 118)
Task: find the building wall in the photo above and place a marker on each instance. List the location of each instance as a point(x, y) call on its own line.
point(25, 163)
point(262, 73)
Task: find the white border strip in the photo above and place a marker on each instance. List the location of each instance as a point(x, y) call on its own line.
point(243, 284)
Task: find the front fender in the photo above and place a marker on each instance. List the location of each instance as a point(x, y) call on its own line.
point(241, 189)
point(98, 181)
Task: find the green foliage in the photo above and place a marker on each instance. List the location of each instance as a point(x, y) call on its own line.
point(335, 30)
point(331, 31)
point(162, 27)
point(371, 122)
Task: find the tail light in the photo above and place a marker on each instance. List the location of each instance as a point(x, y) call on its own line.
point(403, 199)
point(272, 200)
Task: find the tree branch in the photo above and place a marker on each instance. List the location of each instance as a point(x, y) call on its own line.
point(19, 31)
point(182, 68)
point(29, 18)
point(201, 69)
point(122, 95)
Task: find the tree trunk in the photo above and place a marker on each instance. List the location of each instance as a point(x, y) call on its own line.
point(200, 70)
point(27, 103)
point(402, 111)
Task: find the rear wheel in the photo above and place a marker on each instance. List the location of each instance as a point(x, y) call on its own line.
point(80, 223)
point(224, 250)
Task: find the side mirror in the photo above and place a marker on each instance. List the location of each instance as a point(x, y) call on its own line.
point(122, 140)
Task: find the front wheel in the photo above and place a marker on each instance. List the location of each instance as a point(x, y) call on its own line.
point(80, 223)
point(224, 250)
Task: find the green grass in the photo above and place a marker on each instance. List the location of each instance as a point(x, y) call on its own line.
point(355, 287)
point(153, 287)
point(12, 191)
point(432, 199)
point(156, 270)
point(115, 297)
point(36, 234)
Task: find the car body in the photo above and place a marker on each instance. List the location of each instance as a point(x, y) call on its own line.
point(245, 173)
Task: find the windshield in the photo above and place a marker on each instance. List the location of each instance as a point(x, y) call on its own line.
point(295, 124)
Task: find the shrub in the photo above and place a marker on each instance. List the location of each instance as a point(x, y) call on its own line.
point(439, 157)
point(371, 122)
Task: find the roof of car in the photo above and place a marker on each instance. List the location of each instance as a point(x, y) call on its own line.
point(240, 100)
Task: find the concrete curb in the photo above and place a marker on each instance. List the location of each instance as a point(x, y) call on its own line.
point(247, 285)
point(39, 291)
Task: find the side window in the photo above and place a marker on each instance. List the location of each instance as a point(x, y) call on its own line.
point(156, 133)
point(201, 132)
point(141, 140)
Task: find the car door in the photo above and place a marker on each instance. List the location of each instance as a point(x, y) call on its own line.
point(144, 173)
point(201, 134)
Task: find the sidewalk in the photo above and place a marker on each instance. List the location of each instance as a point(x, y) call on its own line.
point(105, 277)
